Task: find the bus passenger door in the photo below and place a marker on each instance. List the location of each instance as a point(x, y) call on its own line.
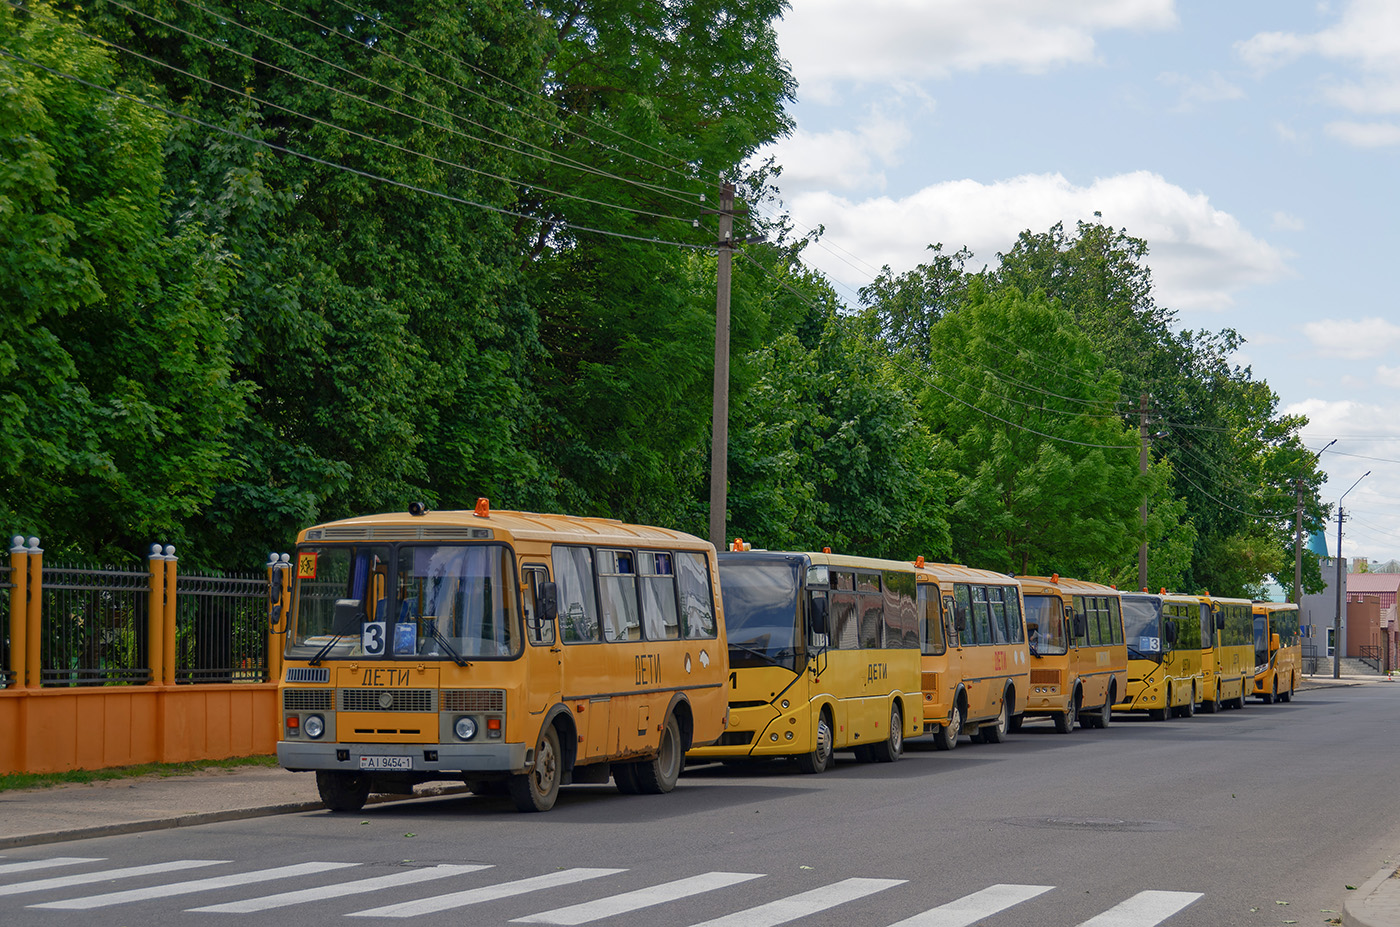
point(542, 651)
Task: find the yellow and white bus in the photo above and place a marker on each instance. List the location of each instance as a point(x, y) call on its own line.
point(1079, 660)
point(1164, 635)
point(1229, 666)
point(976, 663)
point(516, 651)
point(1278, 651)
point(823, 656)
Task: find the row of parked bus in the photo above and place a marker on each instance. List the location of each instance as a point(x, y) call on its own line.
point(522, 652)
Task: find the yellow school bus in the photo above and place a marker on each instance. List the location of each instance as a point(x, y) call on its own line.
point(1278, 651)
point(516, 651)
point(1079, 661)
point(1165, 635)
point(976, 664)
point(1229, 667)
point(823, 656)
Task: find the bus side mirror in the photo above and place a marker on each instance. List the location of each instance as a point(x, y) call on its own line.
point(347, 616)
point(1171, 632)
point(1273, 642)
point(818, 614)
point(547, 601)
point(959, 618)
point(1219, 621)
point(1080, 626)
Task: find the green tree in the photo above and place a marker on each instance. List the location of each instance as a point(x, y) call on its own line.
point(118, 393)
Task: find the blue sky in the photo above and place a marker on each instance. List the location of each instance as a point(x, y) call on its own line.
point(1253, 144)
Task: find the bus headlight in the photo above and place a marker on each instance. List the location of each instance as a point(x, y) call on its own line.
point(465, 728)
point(314, 726)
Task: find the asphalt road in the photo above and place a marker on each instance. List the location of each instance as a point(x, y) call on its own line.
point(1215, 820)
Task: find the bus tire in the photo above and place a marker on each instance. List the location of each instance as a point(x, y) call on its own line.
point(1189, 709)
point(659, 775)
point(1104, 717)
point(1161, 714)
point(537, 789)
point(820, 757)
point(995, 732)
point(342, 791)
point(1016, 722)
point(890, 749)
point(1268, 697)
point(948, 734)
point(1211, 706)
point(1287, 695)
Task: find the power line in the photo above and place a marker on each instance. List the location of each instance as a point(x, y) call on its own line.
point(560, 224)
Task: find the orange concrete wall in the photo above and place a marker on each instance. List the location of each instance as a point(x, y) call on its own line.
point(58, 729)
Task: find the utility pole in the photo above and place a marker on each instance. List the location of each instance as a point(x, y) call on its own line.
point(1142, 468)
point(719, 441)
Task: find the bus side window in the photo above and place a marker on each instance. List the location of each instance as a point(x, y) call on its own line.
point(697, 604)
point(539, 631)
point(658, 589)
point(931, 626)
point(578, 604)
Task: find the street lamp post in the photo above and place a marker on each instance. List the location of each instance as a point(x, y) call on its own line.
point(1298, 535)
point(1341, 578)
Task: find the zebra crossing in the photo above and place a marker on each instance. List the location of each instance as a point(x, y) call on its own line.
point(61, 883)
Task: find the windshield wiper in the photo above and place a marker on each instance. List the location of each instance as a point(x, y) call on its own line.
point(321, 654)
point(451, 652)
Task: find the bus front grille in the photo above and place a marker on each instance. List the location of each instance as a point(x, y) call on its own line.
point(473, 700)
point(735, 739)
point(387, 700)
point(306, 699)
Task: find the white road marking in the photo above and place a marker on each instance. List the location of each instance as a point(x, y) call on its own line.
point(342, 890)
point(642, 898)
point(105, 875)
point(31, 865)
point(803, 904)
point(1144, 909)
point(189, 888)
point(486, 893)
point(972, 908)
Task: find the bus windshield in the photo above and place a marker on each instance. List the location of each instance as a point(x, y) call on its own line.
point(1142, 627)
point(760, 611)
point(1046, 624)
point(439, 602)
point(1261, 643)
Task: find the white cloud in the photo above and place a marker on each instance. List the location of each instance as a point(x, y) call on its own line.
point(1212, 89)
point(1366, 38)
point(1366, 134)
point(1388, 376)
point(1199, 255)
point(842, 159)
point(1353, 339)
point(1287, 222)
point(891, 41)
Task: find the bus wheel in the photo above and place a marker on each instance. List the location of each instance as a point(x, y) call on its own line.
point(625, 778)
point(1211, 706)
point(1064, 721)
point(890, 749)
point(819, 758)
point(1105, 715)
point(1161, 714)
point(658, 775)
point(1287, 696)
point(1268, 697)
point(947, 736)
point(537, 789)
point(1189, 709)
point(995, 732)
point(342, 791)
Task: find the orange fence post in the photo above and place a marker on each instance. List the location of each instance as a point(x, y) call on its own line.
point(19, 611)
point(155, 617)
point(169, 618)
point(32, 665)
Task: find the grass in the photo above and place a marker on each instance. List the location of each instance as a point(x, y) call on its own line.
point(14, 781)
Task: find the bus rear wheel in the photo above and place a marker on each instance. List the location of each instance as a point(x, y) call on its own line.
point(893, 746)
point(1064, 721)
point(659, 775)
point(537, 789)
point(1287, 695)
point(995, 732)
point(1268, 697)
point(948, 734)
point(342, 791)
point(625, 778)
point(820, 757)
point(1212, 705)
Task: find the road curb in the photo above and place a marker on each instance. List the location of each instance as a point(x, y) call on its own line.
point(207, 817)
point(1376, 903)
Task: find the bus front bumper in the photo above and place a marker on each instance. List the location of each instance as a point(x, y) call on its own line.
point(300, 757)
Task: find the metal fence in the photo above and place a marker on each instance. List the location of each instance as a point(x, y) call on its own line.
point(5, 673)
point(220, 627)
point(94, 626)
